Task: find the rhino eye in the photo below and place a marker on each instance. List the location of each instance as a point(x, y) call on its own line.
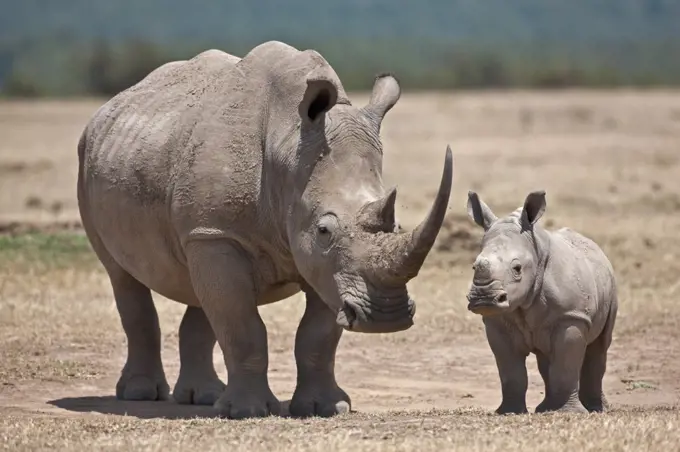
point(517, 268)
point(325, 229)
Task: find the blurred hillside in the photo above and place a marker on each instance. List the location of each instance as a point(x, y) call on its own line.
point(74, 47)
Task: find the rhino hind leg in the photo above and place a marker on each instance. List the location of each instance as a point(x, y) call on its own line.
point(142, 377)
point(544, 370)
point(222, 278)
point(594, 367)
point(316, 341)
point(198, 382)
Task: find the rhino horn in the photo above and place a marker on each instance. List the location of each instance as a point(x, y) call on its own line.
point(380, 213)
point(409, 250)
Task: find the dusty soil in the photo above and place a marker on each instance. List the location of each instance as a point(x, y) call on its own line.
point(609, 162)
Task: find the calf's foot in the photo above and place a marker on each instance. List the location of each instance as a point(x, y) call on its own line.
point(595, 404)
point(512, 408)
point(572, 405)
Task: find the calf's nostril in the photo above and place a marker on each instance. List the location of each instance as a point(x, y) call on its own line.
point(502, 298)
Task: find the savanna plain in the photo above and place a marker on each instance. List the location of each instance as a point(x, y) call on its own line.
point(610, 164)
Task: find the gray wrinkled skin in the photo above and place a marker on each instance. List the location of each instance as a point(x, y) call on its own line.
point(225, 184)
point(551, 293)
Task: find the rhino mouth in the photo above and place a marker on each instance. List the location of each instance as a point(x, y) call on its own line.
point(487, 300)
point(364, 316)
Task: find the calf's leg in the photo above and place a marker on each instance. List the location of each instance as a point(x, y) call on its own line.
point(568, 350)
point(512, 368)
point(594, 367)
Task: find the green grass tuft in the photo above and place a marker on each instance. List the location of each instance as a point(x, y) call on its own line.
point(48, 250)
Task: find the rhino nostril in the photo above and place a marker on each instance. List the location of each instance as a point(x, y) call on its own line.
point(502, 298)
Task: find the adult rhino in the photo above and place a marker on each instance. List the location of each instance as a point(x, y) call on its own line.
point(226, 184)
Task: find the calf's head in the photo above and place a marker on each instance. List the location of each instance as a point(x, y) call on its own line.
point(511, 259)
point(344, 235)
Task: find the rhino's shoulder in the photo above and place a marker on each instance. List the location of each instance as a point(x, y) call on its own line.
point(289, 68)
point(583, 247)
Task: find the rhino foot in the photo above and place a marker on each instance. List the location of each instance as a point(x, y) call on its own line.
point(319, 400)
point(194, 391)
point(571, 406)
point(508, 408)
point(597, 405)
point(241, 402)
point(142, 387)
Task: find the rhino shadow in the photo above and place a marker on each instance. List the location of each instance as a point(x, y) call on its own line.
point(140, 409)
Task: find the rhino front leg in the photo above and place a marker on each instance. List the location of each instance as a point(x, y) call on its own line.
point(316, 342)
point(512, 368)
point(222, 278)
point(198, 382)
point(568, 350)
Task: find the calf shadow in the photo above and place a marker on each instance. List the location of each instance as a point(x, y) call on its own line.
point(142, 409)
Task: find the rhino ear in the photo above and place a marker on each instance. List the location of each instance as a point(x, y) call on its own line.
point(385, 94)
point(480, 212)
point(534, 207)
point(320, 96)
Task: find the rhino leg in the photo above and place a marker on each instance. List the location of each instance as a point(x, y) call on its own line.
point(544, 370)
point(222, 278)
point(568, 351)
point(198, 382)
point(142, 377)
point(512, 368)
point(595, 366)
point(316, 342)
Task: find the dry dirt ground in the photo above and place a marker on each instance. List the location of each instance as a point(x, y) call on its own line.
point(610, 163)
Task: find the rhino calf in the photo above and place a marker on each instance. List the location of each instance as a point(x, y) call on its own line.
point(551, 293)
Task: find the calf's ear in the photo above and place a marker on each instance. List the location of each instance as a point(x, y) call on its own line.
point(534, 207)
point(479, 212)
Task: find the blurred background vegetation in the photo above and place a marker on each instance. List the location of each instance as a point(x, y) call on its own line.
point(99, 47)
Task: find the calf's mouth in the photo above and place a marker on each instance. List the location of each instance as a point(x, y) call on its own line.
point(489, 299)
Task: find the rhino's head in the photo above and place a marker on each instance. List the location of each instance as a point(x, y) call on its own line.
point(511, 261)
point(344, 236)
